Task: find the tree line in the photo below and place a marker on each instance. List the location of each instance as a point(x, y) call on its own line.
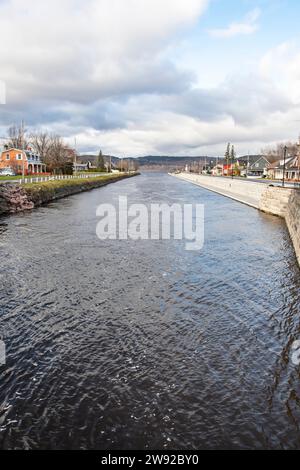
point(276, 152)
point(54, 152)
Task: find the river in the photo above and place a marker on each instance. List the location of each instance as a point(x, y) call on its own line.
point(142, 344)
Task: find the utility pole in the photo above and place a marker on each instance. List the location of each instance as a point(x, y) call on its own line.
point(23, 150)
point(284, 165)
point(232, 160)
point(248, 164)
point(298, 161)
point(75, 156)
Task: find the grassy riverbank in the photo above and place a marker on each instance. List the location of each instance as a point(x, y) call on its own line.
point(17, 198)
point(9, 178)
point(55, 184)
point(40, 193)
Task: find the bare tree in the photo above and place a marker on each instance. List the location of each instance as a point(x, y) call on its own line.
point(135, 165)
point(53, 151)
point(41, 144)
point(17, 137)
point(275, 153)
point(58, 154)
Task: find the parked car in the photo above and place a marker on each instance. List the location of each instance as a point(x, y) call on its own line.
point(7, 172)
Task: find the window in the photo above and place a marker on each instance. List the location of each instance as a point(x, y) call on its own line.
point(7, 156)
point(19, 157)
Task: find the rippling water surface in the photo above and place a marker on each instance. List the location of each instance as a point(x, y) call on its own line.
point(122, 344)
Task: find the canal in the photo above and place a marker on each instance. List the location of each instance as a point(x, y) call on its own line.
point(144, 345)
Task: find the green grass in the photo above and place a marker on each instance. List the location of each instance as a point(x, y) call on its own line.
point(72, 182)
point(19, 177)
point(56, 189)
point(10, 177)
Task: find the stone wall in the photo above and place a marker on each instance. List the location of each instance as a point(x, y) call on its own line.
point(275, 200)
point(292, 218)
point(284, 203)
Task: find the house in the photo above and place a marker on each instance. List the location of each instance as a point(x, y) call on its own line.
point(90, 162)
point(35, 164)
point(228, 169)
point(291, 167)
point(259, 168)
point(253, 166)
point(80, 166)
point(217, 170)
point(21, 161)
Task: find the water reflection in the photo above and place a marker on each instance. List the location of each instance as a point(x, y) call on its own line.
point(122, 344)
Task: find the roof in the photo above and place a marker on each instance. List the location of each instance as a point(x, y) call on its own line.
point(261, 163)
point(11, 149)
point(251, 158)
point(219, 165)
point(294, 163)
point(279, 164)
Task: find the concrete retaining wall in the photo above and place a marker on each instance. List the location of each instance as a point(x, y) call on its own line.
point(236, 189)
point(282, 202)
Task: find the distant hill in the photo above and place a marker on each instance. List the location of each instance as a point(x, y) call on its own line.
point(159, 162)
point(166, 159)
point(93, 158)
point(150, 159)
point(169, 162)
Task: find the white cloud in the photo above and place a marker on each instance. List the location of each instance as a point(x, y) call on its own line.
point(101, 70)
point(248, 26)
point(83, 50)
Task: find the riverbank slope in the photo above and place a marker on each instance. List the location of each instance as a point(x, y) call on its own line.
point(16, 198)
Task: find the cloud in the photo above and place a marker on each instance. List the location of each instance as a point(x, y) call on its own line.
point(84, 50)
point(101, 70)
point(247, 26)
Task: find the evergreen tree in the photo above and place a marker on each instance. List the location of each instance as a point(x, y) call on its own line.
point(232, 157)
point(227, 156)
point(100, 164)
point(233, 154)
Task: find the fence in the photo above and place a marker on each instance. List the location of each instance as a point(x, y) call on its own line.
point(43, 179)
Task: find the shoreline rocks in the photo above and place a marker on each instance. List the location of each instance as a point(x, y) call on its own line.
point(13, 199)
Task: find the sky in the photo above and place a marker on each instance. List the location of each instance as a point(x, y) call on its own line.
point(153, 77)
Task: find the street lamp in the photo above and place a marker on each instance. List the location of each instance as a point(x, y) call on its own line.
point(298, 161)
